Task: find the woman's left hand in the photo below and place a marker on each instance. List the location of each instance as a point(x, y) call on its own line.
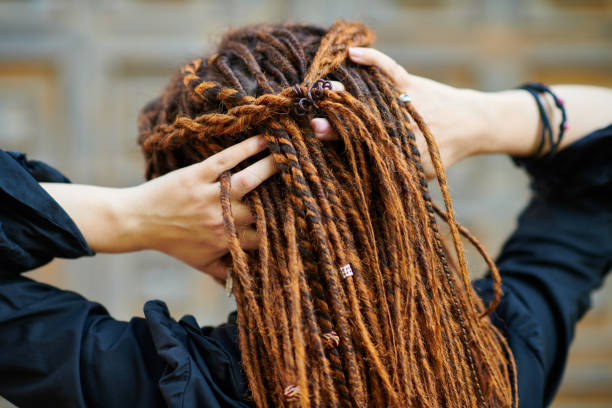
point(178, 213)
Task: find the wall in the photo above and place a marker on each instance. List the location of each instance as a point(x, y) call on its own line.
point(74, 73)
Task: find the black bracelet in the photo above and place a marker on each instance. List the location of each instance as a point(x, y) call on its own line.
point(535, 89)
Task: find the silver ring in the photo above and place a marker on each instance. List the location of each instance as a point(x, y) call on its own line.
point(229, 283)
point(405, 98)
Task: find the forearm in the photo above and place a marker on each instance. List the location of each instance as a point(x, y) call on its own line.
point(512, 123)
point(101, 213)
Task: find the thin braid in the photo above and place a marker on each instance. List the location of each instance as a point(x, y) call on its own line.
point(403, 327)
point(210, 91)
point(296, 53)
point(320, 295)
point(302, 226)
point(479, 247)
point(313, 218)
point(336, 240)
point(435, 156)
point(272, 295)
point(485, 255)
point(222, 64)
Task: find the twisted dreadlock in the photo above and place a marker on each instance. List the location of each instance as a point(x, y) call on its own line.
point(398, 327)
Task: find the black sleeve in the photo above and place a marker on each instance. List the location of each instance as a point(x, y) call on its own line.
point(560, 252)
point(56, 348)
point(33, 228)
point(59, 350)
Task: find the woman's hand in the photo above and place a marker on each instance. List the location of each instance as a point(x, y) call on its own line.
point(467, 122)
point(178, 214)
point(453, 115)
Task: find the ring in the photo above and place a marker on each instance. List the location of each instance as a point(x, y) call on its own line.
point(405, 98)
point(229, 283)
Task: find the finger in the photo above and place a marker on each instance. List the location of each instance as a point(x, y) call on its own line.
point(337, 86)
point(218, 269)
point(370, 56)
point(321, 126)
point(242, 214)
point(322, 129)
point(249, 178)
point(212, 167)
point(248, 238)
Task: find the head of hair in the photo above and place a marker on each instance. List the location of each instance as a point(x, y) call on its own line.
point(406, 328)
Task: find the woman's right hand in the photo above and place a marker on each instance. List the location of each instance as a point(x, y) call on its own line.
point(453, 115)
point(466, 122)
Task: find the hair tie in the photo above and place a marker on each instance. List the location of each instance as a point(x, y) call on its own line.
point(306, 103)
point(535, 89)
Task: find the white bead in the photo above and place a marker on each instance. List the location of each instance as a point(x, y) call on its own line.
point(346, 271)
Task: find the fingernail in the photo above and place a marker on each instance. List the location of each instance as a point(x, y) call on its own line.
point(355, 52)
point(320, 126)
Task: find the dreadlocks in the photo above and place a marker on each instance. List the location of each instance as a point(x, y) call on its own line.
point(349, 300)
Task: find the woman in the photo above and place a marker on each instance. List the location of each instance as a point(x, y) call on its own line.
point(66, 351)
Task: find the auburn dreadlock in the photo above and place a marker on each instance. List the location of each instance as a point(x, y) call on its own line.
point(349, 300)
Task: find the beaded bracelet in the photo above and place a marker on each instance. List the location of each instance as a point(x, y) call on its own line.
point(535, 89)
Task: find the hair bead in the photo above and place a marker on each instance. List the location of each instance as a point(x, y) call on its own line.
point(292, 393)
point(346, 271)
point(331, 340)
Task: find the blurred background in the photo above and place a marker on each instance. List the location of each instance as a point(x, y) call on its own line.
point(74, 73)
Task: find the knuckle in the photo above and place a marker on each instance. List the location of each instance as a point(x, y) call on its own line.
point(217, 164)
point(220, 165)
point(245, 182)
point(209, 196)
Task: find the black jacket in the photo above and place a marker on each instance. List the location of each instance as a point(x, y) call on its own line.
point(59, 350)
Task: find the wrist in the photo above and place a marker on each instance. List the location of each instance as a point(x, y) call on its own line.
point(510, 123)
point(101, 214)
point(471, 134)
point(130, 220)
point(477, 137)
point(117, 223)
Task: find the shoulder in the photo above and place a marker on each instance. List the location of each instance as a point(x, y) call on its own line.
point(201, 364)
